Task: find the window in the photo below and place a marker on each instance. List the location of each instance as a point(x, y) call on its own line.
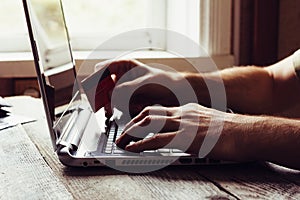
point(12, 27)
point(91, 22)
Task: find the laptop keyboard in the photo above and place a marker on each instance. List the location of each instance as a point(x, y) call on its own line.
point(115, 132)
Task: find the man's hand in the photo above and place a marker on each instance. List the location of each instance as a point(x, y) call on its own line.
point(182, 128)
point(242, 138)
point(145, 86)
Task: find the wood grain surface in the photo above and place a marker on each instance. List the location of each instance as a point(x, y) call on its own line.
point(29, 169)
point(23, 172)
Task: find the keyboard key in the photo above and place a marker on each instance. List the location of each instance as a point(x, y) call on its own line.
point(118, 151)
point(108, 150)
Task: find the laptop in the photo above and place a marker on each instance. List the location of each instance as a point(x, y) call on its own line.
point(80, 136)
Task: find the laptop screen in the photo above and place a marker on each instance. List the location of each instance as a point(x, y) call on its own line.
point(53, 61)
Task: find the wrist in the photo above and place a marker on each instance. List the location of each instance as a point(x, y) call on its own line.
point(197, 83)
point(237, 141)
point(248, 141)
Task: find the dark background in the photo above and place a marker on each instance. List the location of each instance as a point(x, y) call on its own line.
point(265, 31)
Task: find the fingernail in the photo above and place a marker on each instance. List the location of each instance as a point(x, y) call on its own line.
point(129, 148)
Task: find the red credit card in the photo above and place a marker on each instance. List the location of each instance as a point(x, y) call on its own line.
point(97, 87)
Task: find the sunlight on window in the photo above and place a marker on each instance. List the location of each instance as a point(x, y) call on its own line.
point(12, 21)
point(92, 17)
point(85, 18)
point(104, 17)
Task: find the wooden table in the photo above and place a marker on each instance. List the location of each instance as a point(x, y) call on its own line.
point(29, 169)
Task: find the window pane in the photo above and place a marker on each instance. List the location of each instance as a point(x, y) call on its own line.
point(12, 26)
point(88, 20)
point(91, 22)
point(104, 17)
point(12, 18)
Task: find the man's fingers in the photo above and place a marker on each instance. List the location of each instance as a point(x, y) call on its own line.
point(147, 111)
point(156, 142)
point(118, 67)
point(149, 124)
point(135, 132)
point(115, 67)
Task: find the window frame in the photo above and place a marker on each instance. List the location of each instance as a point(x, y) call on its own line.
point(209, 37)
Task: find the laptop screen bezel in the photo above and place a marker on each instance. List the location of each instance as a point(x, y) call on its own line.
point(45, 89)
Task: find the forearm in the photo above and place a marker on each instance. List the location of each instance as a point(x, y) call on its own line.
point(248, 89)
point(267, 139)
point(252, 90)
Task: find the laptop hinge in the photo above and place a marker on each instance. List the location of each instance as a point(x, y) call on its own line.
point(74, 130)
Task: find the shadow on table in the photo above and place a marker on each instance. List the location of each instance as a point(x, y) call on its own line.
point(252, 172)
